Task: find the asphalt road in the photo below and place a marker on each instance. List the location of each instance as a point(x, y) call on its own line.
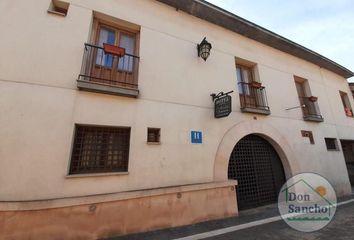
point(341, 227)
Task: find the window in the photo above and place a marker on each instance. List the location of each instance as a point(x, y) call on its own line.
point(116, 37)
point(302, 87)
point(105, 36)
point(128, 43)
point(58, 7)
point(331, 144)
point(100, 149)
point(308, 103)
point(111, 62)
point(153, 135)
point(244, 77)
point(253, 98)
point(346, 104)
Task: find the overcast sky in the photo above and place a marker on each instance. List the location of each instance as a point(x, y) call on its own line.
point(324, 26)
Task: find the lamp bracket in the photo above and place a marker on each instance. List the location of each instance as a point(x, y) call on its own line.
point(301, 106)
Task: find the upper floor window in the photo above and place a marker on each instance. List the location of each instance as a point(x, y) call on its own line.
point(110, 62)
point(244, 78)
point(99, 149)
point(346, 104)
point(253, 96)
point(308, 103)
point(115, 37)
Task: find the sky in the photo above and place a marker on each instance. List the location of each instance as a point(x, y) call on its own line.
point(324, 26)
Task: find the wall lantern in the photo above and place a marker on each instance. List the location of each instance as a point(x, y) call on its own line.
point(204, 49)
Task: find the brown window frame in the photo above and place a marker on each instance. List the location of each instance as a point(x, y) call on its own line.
point(100, 149)
point(114, 25)
point(250, 69)
point(118, 30)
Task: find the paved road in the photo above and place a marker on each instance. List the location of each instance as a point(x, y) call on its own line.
point(340, 228)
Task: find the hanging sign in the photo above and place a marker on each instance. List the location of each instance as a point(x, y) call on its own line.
point(222, 102)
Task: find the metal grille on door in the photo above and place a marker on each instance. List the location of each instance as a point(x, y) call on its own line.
point(259, 171)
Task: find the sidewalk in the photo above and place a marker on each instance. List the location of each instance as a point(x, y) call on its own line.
point(247, 216)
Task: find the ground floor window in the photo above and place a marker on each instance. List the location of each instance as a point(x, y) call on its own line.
point(100, 149)
point(331, 144)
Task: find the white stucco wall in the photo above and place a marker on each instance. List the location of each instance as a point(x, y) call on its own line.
point(40, 59)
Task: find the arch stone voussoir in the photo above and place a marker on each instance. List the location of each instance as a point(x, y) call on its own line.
point(271, 134)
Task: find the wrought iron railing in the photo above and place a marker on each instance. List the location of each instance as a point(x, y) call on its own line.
point(310, 109)
point(253, 96)
point(109, 69)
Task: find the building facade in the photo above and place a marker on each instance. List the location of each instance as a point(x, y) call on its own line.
point(108, 122)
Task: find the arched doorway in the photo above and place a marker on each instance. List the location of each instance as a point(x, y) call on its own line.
point(256, 166)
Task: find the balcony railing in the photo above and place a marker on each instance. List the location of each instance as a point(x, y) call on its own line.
point(109, 73)
point(253, 99)
point(310, 110)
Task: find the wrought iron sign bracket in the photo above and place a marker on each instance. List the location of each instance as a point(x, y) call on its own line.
point(219, 95)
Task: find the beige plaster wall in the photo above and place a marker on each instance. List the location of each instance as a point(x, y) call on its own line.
point(39, 104)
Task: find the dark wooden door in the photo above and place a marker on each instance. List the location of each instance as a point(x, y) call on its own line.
point(256, 166)
point(348, 152)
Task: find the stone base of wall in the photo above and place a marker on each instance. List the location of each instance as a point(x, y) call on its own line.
point(125, 213)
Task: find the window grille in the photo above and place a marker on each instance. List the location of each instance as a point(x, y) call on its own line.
point(331, 144)
point(153, 135)
point(100, 149)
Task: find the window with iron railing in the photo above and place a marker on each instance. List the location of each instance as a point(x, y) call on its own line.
point(111, 63)
point(252, 94)
point(308, 103)
point(346, 104)
point(99, 149)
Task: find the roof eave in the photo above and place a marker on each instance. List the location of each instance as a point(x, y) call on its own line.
point(223, 18)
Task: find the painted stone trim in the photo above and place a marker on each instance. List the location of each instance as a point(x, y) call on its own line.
point(238, 131)
point(74, 201)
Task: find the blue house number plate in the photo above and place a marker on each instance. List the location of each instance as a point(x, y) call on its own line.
point(196, 137)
